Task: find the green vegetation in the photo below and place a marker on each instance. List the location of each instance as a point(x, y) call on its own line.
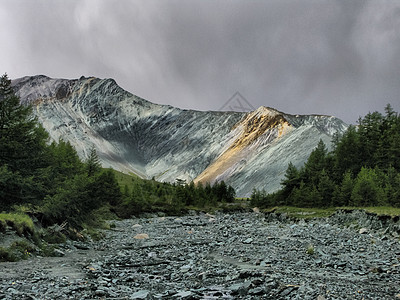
point(17, 251)
point(310, 250)
point(362, 170)
point(21, 223)
point(311, 213)
point(302, 213)
point(143, 196)
point(378, 210)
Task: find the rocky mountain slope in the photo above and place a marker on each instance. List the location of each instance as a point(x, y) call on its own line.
point(247, 150)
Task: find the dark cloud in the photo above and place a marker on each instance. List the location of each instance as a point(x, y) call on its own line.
point(306, 56)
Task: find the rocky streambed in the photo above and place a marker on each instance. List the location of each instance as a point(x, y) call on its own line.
point(226, 256)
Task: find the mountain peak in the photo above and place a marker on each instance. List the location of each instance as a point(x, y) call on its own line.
point(267, 110)
point(130, 134)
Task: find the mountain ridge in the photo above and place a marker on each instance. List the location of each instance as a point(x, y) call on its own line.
point(131, 134)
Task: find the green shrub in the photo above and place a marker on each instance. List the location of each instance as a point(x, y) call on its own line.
point(310, 249)
point(17, 251)
point(52, 237)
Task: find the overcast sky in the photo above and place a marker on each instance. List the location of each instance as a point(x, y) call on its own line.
point(334, 57)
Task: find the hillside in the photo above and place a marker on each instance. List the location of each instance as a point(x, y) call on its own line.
point(246, 150)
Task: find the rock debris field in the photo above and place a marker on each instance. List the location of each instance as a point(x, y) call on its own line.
point(222, 256)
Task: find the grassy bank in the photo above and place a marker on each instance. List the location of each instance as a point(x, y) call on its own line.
point(310, 213)
point(21, 223)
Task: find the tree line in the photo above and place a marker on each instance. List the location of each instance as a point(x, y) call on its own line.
point(363, 169)
point(151, 195)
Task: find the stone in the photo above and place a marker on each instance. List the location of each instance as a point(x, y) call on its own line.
point(263, 263)
point(185, 269)
point(256, 291)
point(142, 294)
point(141, 236)
point(82, 246)
point(363, 230)
point(239, 288)
point(183, 294)
point(288, 290)
point(58, 253)
point(100, 292)
point(248, 241)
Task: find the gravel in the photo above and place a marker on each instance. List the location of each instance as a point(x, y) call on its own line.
point(226, 256)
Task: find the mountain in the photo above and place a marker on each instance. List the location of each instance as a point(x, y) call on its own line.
point(246, 150)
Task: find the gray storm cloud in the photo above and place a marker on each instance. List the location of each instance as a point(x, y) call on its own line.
point(326, 57)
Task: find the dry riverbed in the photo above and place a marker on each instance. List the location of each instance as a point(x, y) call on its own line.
point(226, 256)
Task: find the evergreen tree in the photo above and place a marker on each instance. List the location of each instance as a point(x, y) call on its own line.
point(367, 191)
point(291, 180)
point(346, 154)
point(343, 192)
point(315, 198)
point(93, 165)
point(300, 196)
point(65, 162)
point(326, 187)
point(22, 139)
point(14, 188)
point(23, 151)
point(102, 189)
point(315, 164)
point(190, 194)
point(388, 152)
point(369, 132)
point(392, 187)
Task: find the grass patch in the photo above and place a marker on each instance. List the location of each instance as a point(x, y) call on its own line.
point(302, 213)
point(379, 210)
point(125, 179)
point(21, 223)
point(310, 213)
